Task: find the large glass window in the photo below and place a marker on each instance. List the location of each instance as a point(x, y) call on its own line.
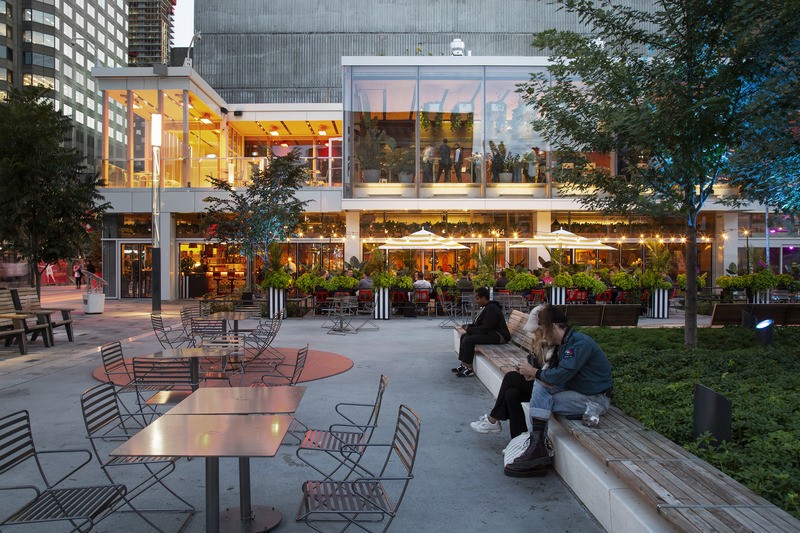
point(450, 117)
point(39, 80)
point(37, 37)
point(40, 60)
point(34, 15)
point(383, 119)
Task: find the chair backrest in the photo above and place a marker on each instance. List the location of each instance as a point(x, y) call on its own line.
point(113, 360)
point(383, 382)
point(25, 298)
point(170, 374)
point(399, 297)
point(365, 295)
point(158, 328)
point(300, 364)
point(422, 296)
point(405, 444)
point(16, 440)
point(321, 296)
point(208, 327)
point(101, 412)
point(187, 314)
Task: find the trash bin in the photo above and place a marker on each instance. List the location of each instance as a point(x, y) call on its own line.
point(94, 303)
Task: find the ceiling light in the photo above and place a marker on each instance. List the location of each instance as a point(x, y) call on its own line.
point(205, 119)
point(274, 131)
point(285, 144)
point(322, 131)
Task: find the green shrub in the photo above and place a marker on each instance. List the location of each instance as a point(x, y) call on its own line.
point(276, 279)
point(341, 283)
point(309, 281)
point(624, 281)
point(383, 280)
point(402, 282)
point(701, 281)
point(654, 382)
point(523, 282)
point(562, 279)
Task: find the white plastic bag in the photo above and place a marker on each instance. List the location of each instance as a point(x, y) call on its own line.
point(519, 444)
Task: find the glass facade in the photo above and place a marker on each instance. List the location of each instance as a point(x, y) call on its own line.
point(422, 131)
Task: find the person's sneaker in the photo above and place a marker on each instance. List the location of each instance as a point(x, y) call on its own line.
point(459, 368)
point(484, 426)
point(465, 373)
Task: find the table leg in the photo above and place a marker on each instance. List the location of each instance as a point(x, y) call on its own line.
point(247, 517)
point(212, 494)
point(194, 372)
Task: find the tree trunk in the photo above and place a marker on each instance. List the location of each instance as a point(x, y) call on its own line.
point(690, 320)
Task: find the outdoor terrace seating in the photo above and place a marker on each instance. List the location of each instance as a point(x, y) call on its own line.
point(26, 300)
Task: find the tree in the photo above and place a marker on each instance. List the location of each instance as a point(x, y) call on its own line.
point(671, 91)
point(50, 202)
point(266, 211)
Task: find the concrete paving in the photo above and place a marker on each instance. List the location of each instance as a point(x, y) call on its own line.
point(459, 484)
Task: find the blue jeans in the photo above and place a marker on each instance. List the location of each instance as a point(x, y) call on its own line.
point(561, 401)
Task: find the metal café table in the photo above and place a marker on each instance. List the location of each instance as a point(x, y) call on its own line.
point(233, 317)
point(193, 355)
point(223, 422)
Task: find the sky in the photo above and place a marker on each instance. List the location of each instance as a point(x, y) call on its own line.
point(183, 22)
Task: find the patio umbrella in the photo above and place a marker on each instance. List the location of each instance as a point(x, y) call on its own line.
point(422, 240)
point(562, 239)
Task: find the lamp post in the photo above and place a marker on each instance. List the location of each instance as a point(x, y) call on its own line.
point(747, 247)
point(619, 250)
point(641, 243)
point(155, 273)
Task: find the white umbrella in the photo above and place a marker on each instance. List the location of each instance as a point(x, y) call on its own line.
point(422, 240)
point(562, 239)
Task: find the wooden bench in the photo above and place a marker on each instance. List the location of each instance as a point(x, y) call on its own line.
point(633, 478)
point(29, 323)
point(784, 314)
point(729, 314)
point(26, 300)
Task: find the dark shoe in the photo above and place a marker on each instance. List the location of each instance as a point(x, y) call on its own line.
point(465, 373)
point(537, 471)
point(534, 457)
point(459, 368)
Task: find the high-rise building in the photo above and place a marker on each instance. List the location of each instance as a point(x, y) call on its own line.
point(150, 32)
point(55, 45)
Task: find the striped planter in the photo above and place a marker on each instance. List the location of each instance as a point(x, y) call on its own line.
point(761, 297)
point(658, 303)
point(277, 303)
point(558, 295)
point(383, 303)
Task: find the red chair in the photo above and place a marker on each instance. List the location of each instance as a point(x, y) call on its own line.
point(604, 296)
point(536, 297)
point(422, 297)
point(321, 300)
point(577, 296)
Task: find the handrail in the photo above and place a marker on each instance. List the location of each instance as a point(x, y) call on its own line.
point(94, 283)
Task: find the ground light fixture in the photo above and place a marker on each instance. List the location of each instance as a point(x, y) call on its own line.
point(765, 332)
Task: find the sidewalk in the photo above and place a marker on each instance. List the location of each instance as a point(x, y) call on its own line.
point(459, 484)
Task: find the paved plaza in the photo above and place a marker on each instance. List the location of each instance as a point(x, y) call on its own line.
point(459, 484)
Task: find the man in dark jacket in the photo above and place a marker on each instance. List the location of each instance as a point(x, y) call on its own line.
point(489, 328)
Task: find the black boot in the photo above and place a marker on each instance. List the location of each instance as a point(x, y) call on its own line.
point(535, 459)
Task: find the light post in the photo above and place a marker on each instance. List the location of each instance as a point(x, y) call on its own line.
point(155, 273)
point(641, 243)
point(747, 247)
point(619, 250)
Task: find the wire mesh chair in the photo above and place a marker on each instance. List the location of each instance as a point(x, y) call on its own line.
point(171, 378)
point(82, 507)
point(169, 336)
point(366, 310)
point(332, 441)
point(105, 424)
point(118, 373)
point(372, 499)
point(278, 377)
point(451, 311)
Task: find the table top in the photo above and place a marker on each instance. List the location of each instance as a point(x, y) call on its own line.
point(232, 315)
point(241, 400)
point(208, 436)
point(180, 353)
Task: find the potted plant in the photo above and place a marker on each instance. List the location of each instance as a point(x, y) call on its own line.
point(309, 282)
point(276, 281)
point(382, 283)
point(403, 161)
point(341, 283)
point(523, 282)
point(503, 162)
point(558, 292)
point(371, 149)
point(758, 285)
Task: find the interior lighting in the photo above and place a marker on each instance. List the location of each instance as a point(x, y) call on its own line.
point(322, 131)
point(274, 131)
point(205, 119)
point(285, 145)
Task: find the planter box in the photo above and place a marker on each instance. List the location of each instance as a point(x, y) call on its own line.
point(277, 302)
point(558, 295)
point(94, 303)
point(383, 303)
point(658, 303)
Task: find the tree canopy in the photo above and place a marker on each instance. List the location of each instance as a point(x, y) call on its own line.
point(49, 201)
point(673, 89)
point(267, 210)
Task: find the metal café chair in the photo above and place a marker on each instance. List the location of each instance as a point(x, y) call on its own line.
point(170, 378)
point(373, 498)
point(259, 356)
point(118, 373)
point(278, 378)
point(357, 430)
point(366, 310)
point(105, 424)
point(169, 336)
point(83, 507)
point(451, 311)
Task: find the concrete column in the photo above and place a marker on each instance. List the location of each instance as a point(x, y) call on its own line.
point(186, 151)
point(541, 224)
point(169, 261)
point(728, 248)
point(352, 243)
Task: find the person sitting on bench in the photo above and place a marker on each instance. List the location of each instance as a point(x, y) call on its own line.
point(578, 373)
point(517, 385)
point(489, 328)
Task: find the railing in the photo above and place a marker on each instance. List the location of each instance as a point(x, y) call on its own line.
point(94, 283)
